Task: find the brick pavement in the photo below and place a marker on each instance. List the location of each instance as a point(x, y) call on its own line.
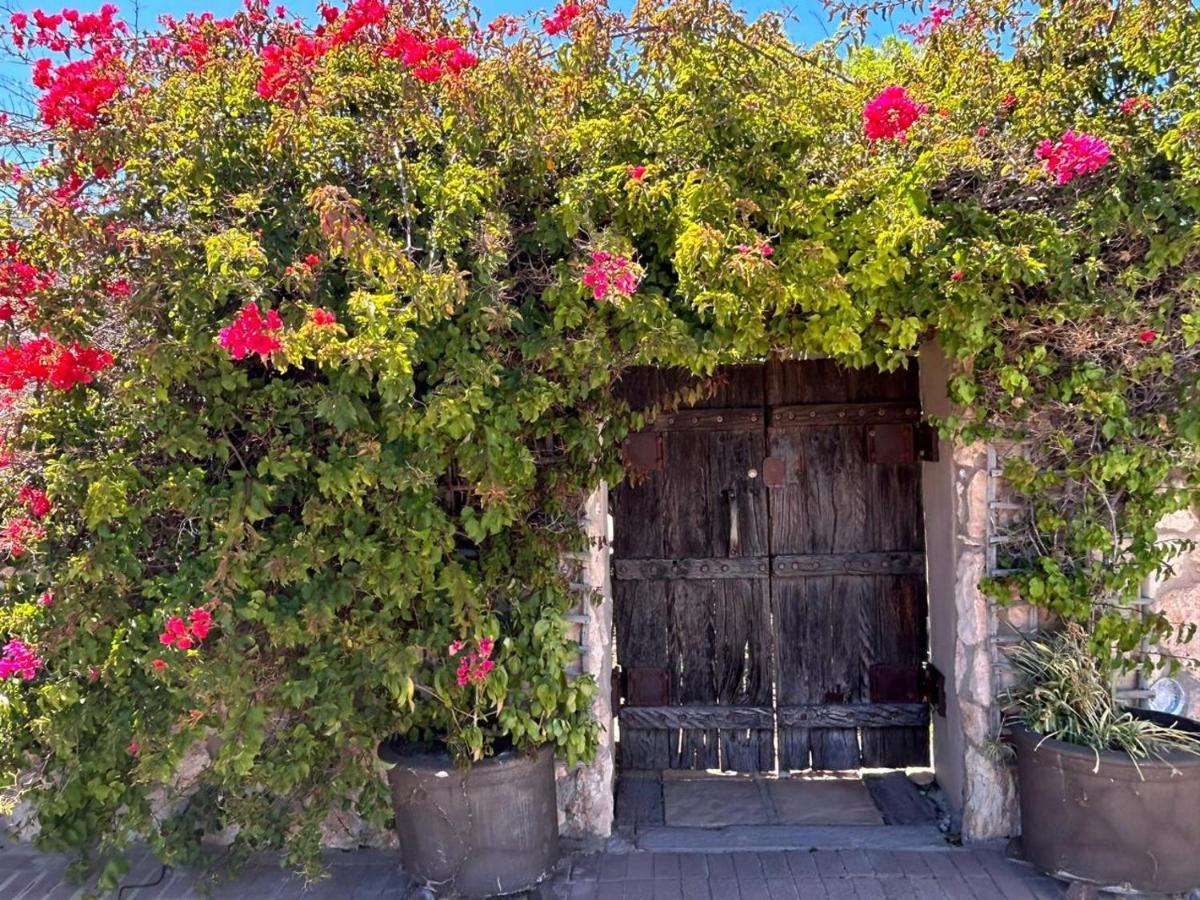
point(980, 873)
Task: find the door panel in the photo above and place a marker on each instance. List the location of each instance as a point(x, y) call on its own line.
point(749, 616)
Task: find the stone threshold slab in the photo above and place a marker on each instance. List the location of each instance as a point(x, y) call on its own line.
point(731, 838)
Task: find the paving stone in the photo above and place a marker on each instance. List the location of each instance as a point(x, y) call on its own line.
point(693, 866)
point(754, 889)
point(614, 866)
point(720, 865)
point(585, 867)
point(641, 865)
point(748, 866)
point(829, 863)
point(911, 862)
point(774, 865)
point(839, 889)
point(666, 889)
point(639, 889)
point(811, 889)
point(666, 865)
point(610, 890)
point(867, 888)
point(782, 889)
point(696, 889)
point(884, 862)
point(801, 864)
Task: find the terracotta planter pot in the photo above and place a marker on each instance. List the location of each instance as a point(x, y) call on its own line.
point(490, 829)
point(1115, 826)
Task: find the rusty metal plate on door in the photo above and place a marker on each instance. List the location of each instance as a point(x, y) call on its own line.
point(647, 687)
point(774, 471)
point(642, 452)
point(893, 683)
point(890, 444)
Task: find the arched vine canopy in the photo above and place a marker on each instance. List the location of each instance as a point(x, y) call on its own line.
point(312, 330)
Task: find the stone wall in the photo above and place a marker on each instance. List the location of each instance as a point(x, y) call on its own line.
point(1178, 596)
point(585, 792)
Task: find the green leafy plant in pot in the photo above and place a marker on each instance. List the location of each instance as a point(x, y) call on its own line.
point(1110, 796)
point(455, 792)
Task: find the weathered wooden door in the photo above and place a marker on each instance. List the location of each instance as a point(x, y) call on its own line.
point(769, 573)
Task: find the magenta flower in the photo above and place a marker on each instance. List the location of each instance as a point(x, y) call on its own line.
point(891, 113)
point(20, 660)
point(1073, 154)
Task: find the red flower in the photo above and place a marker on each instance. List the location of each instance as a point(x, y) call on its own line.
point(564, 15)
point(981, 131)
point(323, 317)
point(637, 173)
point(18, 533)
point(1148, 336)
point(428, 73)
point(200, 621)
point(252, 332)
point(118, 287)
point(35, 499)
point(19, 659)
point(956, 275)
point(1073, 154)
point(46, 599)
point(159, 664)
point(312, 260)
point(891, 113)
point(1009, 101)
point(609, 273)
point(1133, 105)
point(134, 748)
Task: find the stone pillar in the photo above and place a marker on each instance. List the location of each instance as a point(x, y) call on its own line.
point(977, 784)
point(585, 792)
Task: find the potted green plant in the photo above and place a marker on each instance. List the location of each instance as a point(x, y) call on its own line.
point(476, 810)
point(1110, 796)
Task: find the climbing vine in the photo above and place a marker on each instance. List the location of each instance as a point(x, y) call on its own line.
point(312, 332)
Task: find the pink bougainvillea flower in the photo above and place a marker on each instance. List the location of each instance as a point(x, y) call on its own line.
point(1073, 154)
point(1133, 105)
point(608, 273)
point(1009, 101)
point(456, 647)
point(35, 499)
point(46, 599)
point(564, 15)
point(928, 25)
point(118, 287)
point(981, 131)
point(486, 646)
point(159, 664)
point(252, 332)
point(463, 675)
point(174, 631)
point(19, 659)
point(480, 673)
point(956, 275)
point(134, 748)
point(18, 533)
point(891, 113)
point(199, 622)
point(1148, 336)
point(322, 317)
point(637, 173)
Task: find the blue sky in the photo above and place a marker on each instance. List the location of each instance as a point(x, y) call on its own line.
point(810, 21)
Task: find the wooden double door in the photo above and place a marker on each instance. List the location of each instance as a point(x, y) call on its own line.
point(769, 572)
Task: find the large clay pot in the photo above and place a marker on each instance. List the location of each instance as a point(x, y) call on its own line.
point(490, 829)
point(1117, 825)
